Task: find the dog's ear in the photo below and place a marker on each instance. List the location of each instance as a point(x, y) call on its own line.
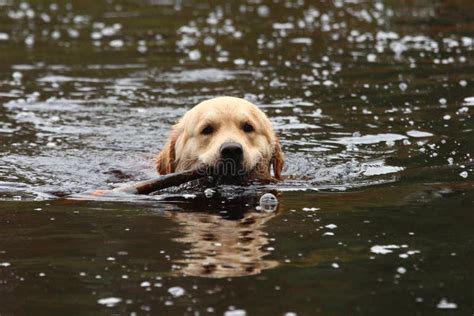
point(166, 159)
point(277, 160)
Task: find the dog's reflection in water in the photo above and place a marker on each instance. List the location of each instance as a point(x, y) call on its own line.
point(227, 244)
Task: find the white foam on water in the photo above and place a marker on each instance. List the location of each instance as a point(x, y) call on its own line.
point(416, 134)
point(372, 169)
point(109, 301)
point(236, 312)
point(369, 139)
point(60, 78)
point(302, 40)
point(283, 26)
point(444, 304)
point(469, 101)
point(118, 43)
point(383, 249)
point(189, 196)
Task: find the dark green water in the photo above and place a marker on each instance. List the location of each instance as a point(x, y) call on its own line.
point(372, 101)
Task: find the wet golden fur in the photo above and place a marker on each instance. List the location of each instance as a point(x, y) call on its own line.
point(187, 146)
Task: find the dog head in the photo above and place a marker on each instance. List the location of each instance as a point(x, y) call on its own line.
point(229, 135)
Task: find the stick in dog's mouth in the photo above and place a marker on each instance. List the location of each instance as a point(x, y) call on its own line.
point(176, 179)
point(158, 183)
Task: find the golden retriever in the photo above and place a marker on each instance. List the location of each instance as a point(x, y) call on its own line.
point(230, 136)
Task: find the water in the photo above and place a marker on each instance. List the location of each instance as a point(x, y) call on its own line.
point(373, 105)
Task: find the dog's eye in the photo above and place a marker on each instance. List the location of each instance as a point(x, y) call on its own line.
point(248, 128)
point(207, 130)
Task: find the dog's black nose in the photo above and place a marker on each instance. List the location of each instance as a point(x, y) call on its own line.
point(231, 150)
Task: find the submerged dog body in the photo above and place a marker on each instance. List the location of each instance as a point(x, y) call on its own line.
point(226, 136)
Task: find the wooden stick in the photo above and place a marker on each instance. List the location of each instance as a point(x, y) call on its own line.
point(158, 183)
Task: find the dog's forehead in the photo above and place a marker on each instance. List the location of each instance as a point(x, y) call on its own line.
point(225, 107)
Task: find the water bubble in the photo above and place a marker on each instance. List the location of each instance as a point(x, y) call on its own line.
point(96, 35)
point(108, 31)
point(263, 11)
point(142, 47)
point(118, 43)
point(447, 117)
point(45, 17)
point(239, 61)
point(467, 41)
point(237, 34)
point(371, 58)
point(4, 36)
point(17, 76)
point(398, 48)
point(194, 54)
point(442, 101)
point(401, 270)
point(73, 33)
point(464, 174)
point(328, 83)
point(176, 291)
point(209, 41)
point(268, 202)
point(30, 40)
point(209, 192)
point(55, 35)
point(403, 86)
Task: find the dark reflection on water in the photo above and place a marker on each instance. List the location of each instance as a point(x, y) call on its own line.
point(373, 104)
point(227, 242)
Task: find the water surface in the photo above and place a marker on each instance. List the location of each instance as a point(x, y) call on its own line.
point(373, 105)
